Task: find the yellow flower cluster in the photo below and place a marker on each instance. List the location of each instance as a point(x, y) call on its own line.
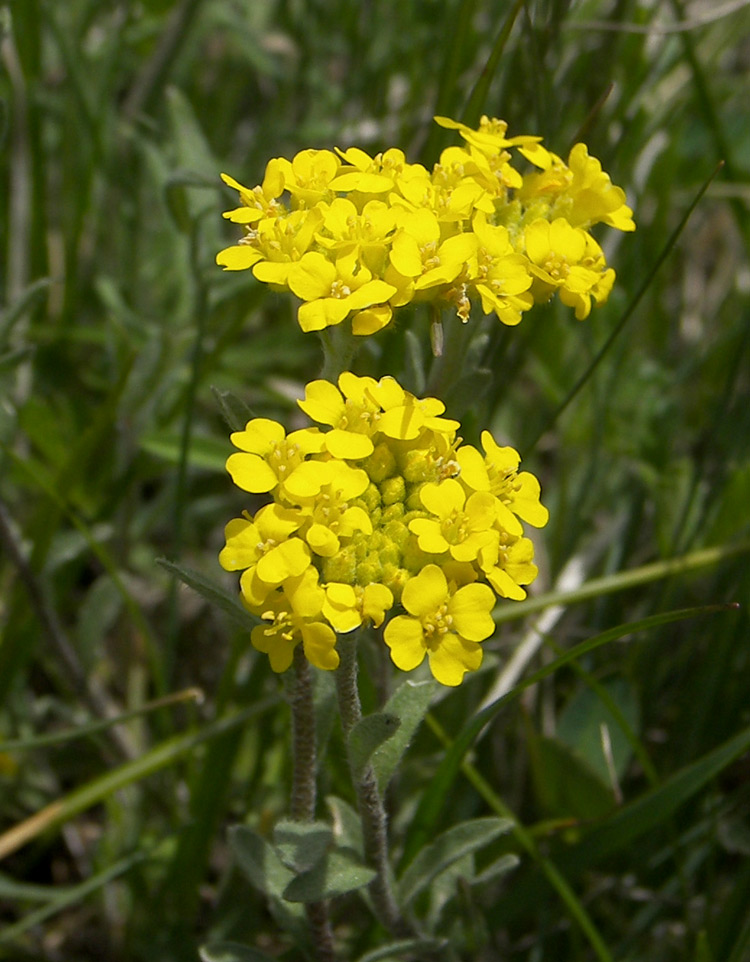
point(354, 236)
point(384, 506)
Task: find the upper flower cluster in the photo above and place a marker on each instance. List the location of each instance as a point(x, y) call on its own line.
point(383, 507)
point(354, 236)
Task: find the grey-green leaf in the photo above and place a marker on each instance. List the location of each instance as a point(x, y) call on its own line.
point(301, 845)
point(367, 735)
point(231, 952)
point(259, 862)
point(455, 843)
point(347, 827)
point(233, 409)
point(396, 951)
point(408, 703)
point(338, 873)
point(212, 592)
point(501, 866)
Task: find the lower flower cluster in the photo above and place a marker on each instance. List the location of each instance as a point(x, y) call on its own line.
point(382, 517)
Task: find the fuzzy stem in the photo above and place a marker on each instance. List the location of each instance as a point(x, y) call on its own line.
point(339, 347)
point(303, 790)
point(371, 811)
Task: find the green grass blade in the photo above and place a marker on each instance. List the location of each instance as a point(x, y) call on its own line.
point(71, 895)
point(93, 728)
point(472, 112)
point(627, 314)
point(434, 799)
point(163, 755)
point(609, 584)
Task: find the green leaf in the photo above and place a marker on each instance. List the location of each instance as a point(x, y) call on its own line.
point(207, 453)
point(301, 845)
point(212, 593)
point(580, 726)
point(408, 703)
point(347, 827)
point(259, 861)
point(452, 845)
point(161, 756)
point(368, 734)
point(71, 895)
point(339, 872)
point(434, 798)
point(656, 805)
point(25, 302)
point(11, 359)
point(231, 952)
point(565, 785)
point(703, 948)
point(500, 866)
point(397, 951)
point(233, 409)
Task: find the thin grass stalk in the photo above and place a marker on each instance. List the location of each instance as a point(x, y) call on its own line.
point(574, 906)
point(180, 494)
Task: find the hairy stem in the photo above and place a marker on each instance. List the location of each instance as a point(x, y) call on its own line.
point(303, 790)
point(371, 810)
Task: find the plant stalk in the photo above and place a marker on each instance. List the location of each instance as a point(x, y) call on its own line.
point(304, 791)
point(371, 810)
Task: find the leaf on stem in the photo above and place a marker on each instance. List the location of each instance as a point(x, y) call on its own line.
point(211, 592)
point(367, 735)
point(452, 845)
point(409, 703)
point(301, 845)
point(339, 872)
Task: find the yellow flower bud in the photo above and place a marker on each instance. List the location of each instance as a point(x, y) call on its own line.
point(341, 567)
point(393, 490)
point(381, 464)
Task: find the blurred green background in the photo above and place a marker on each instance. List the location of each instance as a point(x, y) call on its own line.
point(119, 342)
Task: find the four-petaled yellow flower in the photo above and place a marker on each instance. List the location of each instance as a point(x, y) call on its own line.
point(444, 622)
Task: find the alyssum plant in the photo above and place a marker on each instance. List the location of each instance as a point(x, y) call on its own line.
point(380, 525)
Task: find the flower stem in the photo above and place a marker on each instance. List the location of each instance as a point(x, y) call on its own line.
point(339, 347)
point(304, 792)
point(371, 811)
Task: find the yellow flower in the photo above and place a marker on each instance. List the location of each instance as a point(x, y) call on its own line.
point(294, 615)
point(497, 473)
point(366, 236)
point(443, 623)
point(375, 175)
point(369, 506)
point(463, 526)
point(508, 564)
point(261, 201)
point(563, 258)
point(363, 406)
point(419, 254)
point(489, 137)
point(349, 606)
point(309, 175)
point(333, 290)
point(264, 547)
point(323, 490)
point(269, 456)
point(501, 277)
